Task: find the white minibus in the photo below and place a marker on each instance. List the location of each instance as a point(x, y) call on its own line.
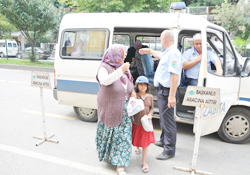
point(75, 74)
point(12, 47)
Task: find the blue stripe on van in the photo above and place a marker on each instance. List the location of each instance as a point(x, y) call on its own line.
point(78, 86)
point(245, 99)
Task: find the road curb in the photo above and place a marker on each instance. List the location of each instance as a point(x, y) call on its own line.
point(29, 68)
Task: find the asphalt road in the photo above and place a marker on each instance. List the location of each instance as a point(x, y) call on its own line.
point(75, 154)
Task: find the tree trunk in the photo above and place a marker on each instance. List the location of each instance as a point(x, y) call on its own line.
point(27, 36)
point(33, 57)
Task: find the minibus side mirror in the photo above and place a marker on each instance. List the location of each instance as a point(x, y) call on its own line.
point(246, 69)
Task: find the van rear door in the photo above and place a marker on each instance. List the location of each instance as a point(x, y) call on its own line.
point(15, 48)
point(10, 48)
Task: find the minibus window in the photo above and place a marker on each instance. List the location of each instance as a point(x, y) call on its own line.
point(2, 44)
point(83, 44)
point(153, 42)
point(187, 43)
point(230, 59)
point(9, 45)
point(121, 39)
point(14, 45)
point(221, 44)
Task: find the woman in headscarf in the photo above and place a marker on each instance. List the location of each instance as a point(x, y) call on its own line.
point(114, 127)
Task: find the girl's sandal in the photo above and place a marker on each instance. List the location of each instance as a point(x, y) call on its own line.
point(121, 171)
point(137, 151)
point(145, 168)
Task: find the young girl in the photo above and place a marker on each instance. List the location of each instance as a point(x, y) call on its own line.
point(141, 138)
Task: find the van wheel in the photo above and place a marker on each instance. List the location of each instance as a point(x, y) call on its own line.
point(86, 114)
point(235, 127)
point(2, 54)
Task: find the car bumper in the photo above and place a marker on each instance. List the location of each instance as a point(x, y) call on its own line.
point(44, 56)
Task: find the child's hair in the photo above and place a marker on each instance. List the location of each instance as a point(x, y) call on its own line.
point(137, 89)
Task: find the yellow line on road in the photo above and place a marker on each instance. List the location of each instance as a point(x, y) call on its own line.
point(49, 115)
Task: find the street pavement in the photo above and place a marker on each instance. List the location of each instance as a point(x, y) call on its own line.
point(75, 154)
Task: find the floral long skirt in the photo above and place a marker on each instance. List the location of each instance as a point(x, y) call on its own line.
point(114, 144)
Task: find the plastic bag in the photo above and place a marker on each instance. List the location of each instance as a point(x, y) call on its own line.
point(134, 106)
point(147, 123)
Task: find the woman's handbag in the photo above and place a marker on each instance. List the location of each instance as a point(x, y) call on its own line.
point(147, 123)
point(134, 106)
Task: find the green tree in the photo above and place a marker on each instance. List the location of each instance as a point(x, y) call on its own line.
point(204, 2)
point(240, 44)
point(235, 18)
point(37, 16)
point(120, 5)
point(5, 26)
point(60, 12)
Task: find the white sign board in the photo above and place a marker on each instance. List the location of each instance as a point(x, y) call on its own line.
point(40, 79)
point(195, 96)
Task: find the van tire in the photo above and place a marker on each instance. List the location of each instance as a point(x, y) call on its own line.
point(237, 118)
point(86, 114)
point(2, 55)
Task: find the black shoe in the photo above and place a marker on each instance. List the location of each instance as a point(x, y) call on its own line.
point(158, 143)
point(164, 156)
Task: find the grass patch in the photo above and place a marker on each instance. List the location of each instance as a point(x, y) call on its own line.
point(26, 62)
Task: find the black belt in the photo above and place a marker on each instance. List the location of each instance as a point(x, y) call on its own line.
point(161, 87)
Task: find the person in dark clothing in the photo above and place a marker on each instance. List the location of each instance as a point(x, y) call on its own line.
point(131, 51)
point(131, 58)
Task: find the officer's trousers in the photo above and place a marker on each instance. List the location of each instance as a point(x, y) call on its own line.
point(167, 122)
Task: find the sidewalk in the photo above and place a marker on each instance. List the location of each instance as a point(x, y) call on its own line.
point(29, 68)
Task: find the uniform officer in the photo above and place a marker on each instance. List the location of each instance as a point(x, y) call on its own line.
point(166, 80)
point(191, 59)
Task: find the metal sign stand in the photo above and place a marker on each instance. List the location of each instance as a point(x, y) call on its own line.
point(45, 138)
point(196, 148)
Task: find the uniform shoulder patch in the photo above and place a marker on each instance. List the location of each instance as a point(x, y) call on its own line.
point(174, 63)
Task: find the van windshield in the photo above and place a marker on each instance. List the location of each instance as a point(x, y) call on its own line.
point(84, 44)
